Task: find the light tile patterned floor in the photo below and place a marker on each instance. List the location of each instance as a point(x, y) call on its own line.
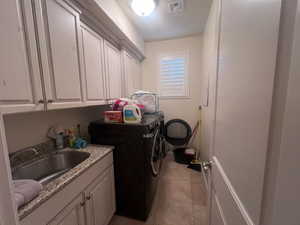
point(180, 199)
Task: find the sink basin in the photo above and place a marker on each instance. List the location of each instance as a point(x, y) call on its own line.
point(49, 167)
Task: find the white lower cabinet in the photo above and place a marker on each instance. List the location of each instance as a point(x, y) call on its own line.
point(95, 206)
point(100, 200)
point(73, 214)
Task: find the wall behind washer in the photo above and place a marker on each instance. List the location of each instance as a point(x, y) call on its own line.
point(28, 129)
point(186, 109)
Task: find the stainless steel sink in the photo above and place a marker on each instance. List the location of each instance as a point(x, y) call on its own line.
point(49, 167)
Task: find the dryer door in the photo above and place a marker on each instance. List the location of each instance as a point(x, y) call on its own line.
point(156, 153)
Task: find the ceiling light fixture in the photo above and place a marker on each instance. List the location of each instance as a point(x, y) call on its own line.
point(143, 7)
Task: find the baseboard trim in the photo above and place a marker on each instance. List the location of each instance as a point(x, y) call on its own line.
point(220, 209)
point(233, 193)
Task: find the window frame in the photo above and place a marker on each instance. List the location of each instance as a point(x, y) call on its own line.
point(170, 55)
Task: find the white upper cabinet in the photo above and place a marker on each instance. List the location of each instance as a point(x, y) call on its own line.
point(137, 73)
point(128, 74)
point(50, 60)
point(93, 63)
point(113, 71)
point(20, 81)
point(59, 32)
point(132, 74)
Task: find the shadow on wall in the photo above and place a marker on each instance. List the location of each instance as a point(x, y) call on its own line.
point(27, 129)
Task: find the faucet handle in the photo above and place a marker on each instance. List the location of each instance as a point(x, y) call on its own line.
point(36, 152)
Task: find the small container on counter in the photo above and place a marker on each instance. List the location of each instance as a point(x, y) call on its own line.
point(113, 117)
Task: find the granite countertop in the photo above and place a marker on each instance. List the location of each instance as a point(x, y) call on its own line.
point(97, 152)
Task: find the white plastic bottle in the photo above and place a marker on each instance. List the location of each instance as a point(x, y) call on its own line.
point(132, 114)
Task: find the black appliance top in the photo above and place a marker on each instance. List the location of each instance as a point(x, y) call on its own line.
point(101, 129)
point(147, 120)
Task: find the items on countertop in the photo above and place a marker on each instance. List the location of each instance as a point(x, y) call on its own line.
point(113, 117)
point(124, 110)
point(25, 191)
point(80, 143)
point(76, 142)
point(67, 137)
point(132, 114)
point(132, 110)
point(71, 137)
point(148, 99)
point(119, 104)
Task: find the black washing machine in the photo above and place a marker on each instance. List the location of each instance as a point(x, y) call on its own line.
point(138, 156)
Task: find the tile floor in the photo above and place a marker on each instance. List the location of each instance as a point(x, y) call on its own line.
point(180, 198)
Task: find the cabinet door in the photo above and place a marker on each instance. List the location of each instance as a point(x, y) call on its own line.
point(59, 30)
point(73, 214)
point(132, 74)
point(93, 64)
point(113, 71)
point(20, 81)
point(137, 80)
point(128, 74)
point(100, 198)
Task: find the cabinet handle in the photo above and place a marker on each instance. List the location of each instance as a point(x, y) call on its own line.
point(82, 204)
point(50, 101)
point(41, 101)
point(88, 197)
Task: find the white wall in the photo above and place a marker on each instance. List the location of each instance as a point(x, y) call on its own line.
point(27, 129)
point(8, 214)
point(282, 184)
point(186, 109)
point(209, 79)
point(114, 11)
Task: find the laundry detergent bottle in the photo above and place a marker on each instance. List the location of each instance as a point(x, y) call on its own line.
point(132, 114)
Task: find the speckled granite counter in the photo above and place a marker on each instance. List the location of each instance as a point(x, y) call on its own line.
point(96, 153)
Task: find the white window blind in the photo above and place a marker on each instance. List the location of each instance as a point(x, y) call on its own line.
point(173, 80)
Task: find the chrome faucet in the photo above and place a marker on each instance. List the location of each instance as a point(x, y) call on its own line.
point(15, 155)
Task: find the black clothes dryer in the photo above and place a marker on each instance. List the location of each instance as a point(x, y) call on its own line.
point(138, 154)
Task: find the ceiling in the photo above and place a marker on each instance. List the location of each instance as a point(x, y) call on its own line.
point(161, 24)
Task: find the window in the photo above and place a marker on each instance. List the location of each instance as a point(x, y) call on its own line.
point(173, 75)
